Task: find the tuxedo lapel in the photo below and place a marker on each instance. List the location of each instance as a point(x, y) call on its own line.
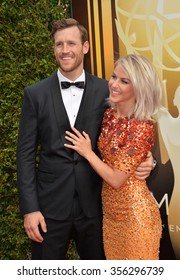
point(85, 109)
point(60, 111)
point(86, 105)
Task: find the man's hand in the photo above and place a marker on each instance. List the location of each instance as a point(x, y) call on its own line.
point(31, 225)
point(145, 168)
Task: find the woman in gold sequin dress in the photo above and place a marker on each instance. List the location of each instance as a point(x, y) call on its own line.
point(131, 219)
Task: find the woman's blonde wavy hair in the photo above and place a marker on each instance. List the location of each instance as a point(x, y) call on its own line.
point(146, 83)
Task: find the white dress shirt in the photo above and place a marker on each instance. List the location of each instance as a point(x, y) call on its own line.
point(71, 97)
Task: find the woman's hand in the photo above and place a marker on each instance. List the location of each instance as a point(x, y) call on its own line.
point(81, 143)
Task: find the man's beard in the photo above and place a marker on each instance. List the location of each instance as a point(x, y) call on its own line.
point(70, 68)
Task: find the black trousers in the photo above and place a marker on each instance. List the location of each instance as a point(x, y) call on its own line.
point(86, 232)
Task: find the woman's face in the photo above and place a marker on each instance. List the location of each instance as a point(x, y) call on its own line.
point(121, 88)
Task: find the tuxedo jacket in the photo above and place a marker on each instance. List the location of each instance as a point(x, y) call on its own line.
point(48, 173)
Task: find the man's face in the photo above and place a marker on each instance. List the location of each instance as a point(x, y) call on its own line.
point(69, 51)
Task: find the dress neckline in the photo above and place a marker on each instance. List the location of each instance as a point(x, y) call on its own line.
point(114, 114)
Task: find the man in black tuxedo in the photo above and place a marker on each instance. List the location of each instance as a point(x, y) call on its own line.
point(60, 195)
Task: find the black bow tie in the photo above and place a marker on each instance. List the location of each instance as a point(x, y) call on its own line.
point(65, 85)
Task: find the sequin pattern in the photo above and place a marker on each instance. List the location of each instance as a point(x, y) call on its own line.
point(131, 219)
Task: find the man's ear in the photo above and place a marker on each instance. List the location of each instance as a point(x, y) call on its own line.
point(85, 47)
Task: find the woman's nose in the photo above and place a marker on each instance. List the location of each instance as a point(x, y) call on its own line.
point(115, 84)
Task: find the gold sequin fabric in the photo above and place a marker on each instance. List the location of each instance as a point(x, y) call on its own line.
point(132, 224)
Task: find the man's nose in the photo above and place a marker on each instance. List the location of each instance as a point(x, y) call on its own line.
point(65, 48)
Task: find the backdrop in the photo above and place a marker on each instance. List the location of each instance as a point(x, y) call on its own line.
point(150, 28)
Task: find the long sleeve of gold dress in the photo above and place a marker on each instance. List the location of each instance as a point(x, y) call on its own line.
point(132, 224)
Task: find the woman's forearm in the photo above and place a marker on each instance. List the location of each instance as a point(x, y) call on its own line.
point(112, 176)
